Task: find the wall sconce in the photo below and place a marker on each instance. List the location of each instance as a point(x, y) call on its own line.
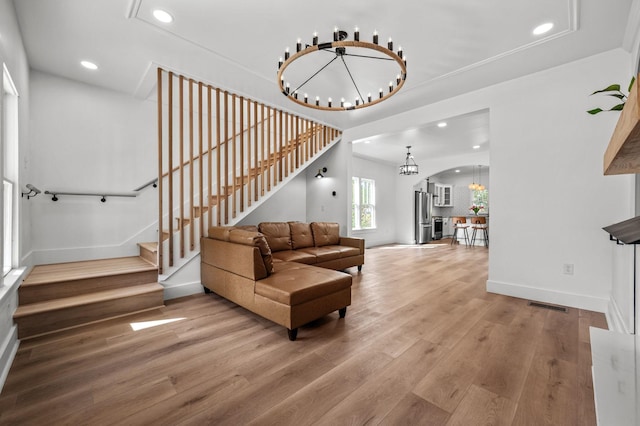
point(33, 191)
point(320, 175)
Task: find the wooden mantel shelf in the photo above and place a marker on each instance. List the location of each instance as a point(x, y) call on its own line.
point(623, 153)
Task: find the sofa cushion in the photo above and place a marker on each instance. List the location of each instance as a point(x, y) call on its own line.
point(296, 256)
point(301, 235)
point(277, 234)
point(256, 239)
point(345, 251)
point(323, 254)
point(292, 284)
point(325, 233)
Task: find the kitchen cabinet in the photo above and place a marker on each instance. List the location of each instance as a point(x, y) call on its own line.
point(444, 195)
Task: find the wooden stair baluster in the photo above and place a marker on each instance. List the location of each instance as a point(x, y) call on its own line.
point(256, 148)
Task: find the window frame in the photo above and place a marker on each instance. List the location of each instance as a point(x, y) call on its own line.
point(358, 204)
point(9, 145)
point(483, 200)
point(7, 229)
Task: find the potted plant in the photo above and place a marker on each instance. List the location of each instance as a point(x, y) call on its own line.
point(613, 90)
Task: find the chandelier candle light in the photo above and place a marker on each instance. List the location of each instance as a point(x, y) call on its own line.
point(343, 48)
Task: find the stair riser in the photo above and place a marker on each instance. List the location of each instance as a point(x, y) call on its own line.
point(52, 321)
point(149, 255)
point(44, 292)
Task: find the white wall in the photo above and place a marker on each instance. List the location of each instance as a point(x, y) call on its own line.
point(322, 206)
point(13, 56)
point(289, 203)
point(538, 122)
point(546, 128)
point(87, 139)
point(385, 176)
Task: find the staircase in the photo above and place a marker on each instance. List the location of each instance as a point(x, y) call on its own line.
point(230, 155)
point(66, 295)
point(221, 156)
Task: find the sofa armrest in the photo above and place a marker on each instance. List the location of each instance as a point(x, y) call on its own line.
point(238, 259)
point(353, 242)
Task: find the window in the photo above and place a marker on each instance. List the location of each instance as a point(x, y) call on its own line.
point(363, 210)
point(481, 198)
point(9, 171)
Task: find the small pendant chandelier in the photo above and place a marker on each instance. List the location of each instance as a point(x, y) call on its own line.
point(476, 186)
point(409, 167)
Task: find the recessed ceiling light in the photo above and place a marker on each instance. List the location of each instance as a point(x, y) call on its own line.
point(457, 170)
point(442, 124)
point(367, 141)
point(476, 147)
point(541, 29)
point(89, 65)
point(162, 16)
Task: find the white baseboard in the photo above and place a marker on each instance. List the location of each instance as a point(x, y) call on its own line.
point(549, 296)
point(615, 320)
point(8, 351)
point(173, 291)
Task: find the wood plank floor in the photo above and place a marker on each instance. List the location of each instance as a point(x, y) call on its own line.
point(423, 343)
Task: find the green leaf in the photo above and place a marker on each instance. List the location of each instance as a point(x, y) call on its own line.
point(617, 95)
point(594, 111)
point(612, 88)
point(633, 79)
point(617, 107)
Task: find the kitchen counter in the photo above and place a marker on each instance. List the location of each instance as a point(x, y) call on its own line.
point(448, 229)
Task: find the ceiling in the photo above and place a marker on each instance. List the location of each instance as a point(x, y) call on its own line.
point(451, 137)
point(451, 47)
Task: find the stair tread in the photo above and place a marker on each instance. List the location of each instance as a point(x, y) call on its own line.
point(84, 299)
point(59, 272)
point(151, 246)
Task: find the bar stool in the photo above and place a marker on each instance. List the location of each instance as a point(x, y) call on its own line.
point(460, 222)
point(479, 223)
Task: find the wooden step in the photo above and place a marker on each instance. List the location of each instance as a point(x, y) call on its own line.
point(149, 252)
point(47, 282)
point(241, 179)
point(199, 210)
point(181, 222)
point(35, 319)
point(215, 199)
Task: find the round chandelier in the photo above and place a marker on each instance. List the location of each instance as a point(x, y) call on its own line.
point(346, 52)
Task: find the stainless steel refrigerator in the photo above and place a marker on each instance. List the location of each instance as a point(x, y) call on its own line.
point(423, 206)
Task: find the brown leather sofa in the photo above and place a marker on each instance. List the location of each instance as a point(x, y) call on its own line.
point(316, 243)
point(284, 273)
